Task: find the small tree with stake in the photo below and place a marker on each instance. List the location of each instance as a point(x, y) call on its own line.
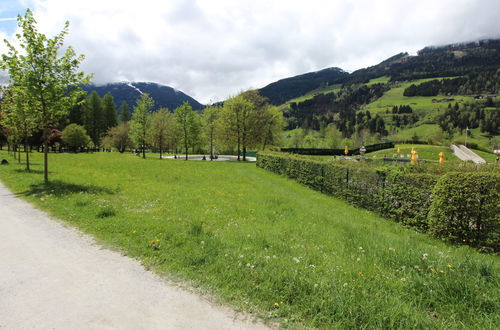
point(141, 121)
point(49, 82)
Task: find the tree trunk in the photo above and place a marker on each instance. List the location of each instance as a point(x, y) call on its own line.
point(244, 153)
point(27, 153)
point(46, 159)
point(19, 154)
point(211, 144)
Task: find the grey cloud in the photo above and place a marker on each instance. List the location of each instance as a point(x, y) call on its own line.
point(212, 49)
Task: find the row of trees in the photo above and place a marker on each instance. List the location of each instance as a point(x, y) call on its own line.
point(243, 122)
point(486, 116)
point(473, 83)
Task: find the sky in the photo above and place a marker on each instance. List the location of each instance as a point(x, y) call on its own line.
point(212, 49)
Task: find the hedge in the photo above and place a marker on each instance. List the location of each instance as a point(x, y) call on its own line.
point(413, 199)
point(465, 209)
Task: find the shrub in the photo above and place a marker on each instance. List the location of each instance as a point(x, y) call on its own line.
point(465, 209)
point(75, 136)
point(462, 204)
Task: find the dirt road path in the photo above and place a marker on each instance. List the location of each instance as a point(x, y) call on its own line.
point(53, 277)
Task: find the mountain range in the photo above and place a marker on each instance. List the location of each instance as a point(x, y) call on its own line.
point(130, 92)
point(430, 62)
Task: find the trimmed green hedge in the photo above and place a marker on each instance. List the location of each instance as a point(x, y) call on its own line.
point(402, 196)
point(465, 209)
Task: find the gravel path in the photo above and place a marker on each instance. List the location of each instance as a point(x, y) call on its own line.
point(53, 277)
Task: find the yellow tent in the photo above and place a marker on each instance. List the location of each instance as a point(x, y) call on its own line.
point(346, 150)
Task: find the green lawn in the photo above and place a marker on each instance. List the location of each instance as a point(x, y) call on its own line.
point(425, 152)
point(379, 80)
point(266, 244)
point(422, 132)
point(321, 90)
point(394, 96)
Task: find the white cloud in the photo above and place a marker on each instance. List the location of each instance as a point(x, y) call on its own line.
point(211, 49)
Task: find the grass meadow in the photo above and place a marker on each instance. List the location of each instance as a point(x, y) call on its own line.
point(425, 152)
point(265, 244)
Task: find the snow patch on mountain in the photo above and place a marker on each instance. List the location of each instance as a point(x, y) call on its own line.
point(137, 89)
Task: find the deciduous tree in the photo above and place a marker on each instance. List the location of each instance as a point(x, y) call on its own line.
point(119, 137)
point(209, 122)
point(75, 136)
point(141, 122)
point(45, 75)
point(186, 120)
point(162, 123)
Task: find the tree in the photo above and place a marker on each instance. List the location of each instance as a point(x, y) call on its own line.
point(18, 117)
point(233, 121)
point(125, 115)
point(45, 76)
point(77, 112)
point(119, 137)
point(141, 121)
point(94, 117)
point(186, 119)
point(162, 123)
point(209, 123)
point(271, 125)
point(109, 112)
point(243, 121)
point(75, 136)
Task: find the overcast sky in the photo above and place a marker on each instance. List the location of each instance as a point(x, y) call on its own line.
point(211, 49)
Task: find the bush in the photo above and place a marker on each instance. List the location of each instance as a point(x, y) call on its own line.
point(75, 136)
point(465, 209)
point(463, 204)
point(407, 198)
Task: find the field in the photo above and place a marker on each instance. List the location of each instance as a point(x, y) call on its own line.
point(265, 244)
point(317, 91)
point(425, 152)
point(419, 103)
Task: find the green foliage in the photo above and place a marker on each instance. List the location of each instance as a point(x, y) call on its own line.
point(209, 123)
point(119, 137)
point(141, 122)
point(125, 115)
point(75, 136)
point(44, 75)
point(94, 118)
point(465, 209)
point(163, 130)
point(109, 112)
point(189, 125)
point(477, 82)
point(18, 120)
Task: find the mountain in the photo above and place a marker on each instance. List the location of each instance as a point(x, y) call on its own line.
point(285, 89)
point(435, 61)
point(164, 96)
point(430, 62)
